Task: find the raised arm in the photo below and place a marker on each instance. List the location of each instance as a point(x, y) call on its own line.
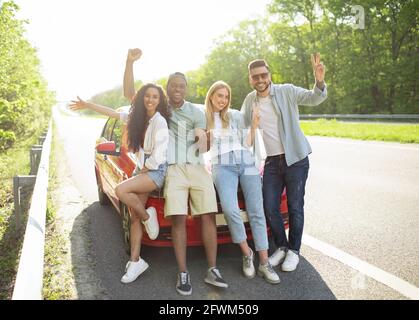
point(81, 104)
point(319, 70)
point(128, 84)
point(319, 92)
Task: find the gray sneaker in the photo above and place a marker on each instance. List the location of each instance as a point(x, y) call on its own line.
point(214, 277)
point(183, 285)
point(268, 273)
point(248, 267)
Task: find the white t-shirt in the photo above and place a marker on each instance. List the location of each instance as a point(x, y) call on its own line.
point(227, 138)
point(269, 125)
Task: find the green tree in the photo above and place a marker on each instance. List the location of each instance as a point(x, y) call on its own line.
point(25, 102)
point(372, 69)
point(228, 61)
point(369, 70)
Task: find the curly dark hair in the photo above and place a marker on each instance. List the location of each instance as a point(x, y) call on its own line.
point(138, 119)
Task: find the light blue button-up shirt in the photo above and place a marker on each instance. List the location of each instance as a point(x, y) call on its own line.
point(286, 98)
point(182, 124)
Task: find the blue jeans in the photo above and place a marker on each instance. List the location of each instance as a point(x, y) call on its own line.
point(276, 176)
point(226, 179)
point(158, 176)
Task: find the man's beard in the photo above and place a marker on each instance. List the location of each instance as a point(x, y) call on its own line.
point(176, 102)
point(264, 89)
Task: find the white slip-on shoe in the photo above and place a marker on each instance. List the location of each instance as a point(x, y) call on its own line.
point(268, 273)
point(276, 258)
point(291, 261)
point(152, 223)
point(133, 270)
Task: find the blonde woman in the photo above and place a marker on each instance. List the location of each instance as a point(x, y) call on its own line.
point(233, 163)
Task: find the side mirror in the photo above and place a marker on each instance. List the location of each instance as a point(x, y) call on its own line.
point(108, 148)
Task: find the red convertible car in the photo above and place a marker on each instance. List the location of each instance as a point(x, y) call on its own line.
point(115, 163)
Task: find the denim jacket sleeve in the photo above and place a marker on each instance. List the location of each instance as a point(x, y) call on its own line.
point(306, 97)
point(246, 110)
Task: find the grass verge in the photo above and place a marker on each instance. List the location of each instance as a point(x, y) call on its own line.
point(403, 133)
point(14, 161)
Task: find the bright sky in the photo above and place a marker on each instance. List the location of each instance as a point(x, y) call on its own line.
point(83, 44)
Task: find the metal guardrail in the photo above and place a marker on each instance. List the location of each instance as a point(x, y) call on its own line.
point(18, 183)
point(28, 285)
point(386, 117)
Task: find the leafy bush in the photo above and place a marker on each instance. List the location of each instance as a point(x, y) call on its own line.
point(7, 139)
point(25, 102)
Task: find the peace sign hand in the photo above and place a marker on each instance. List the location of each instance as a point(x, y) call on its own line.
point(318, 68)
point(256, 116)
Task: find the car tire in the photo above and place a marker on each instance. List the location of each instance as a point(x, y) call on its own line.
point(126, 228)
point(103, 197)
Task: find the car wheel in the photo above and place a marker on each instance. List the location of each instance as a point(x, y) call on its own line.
point(103, 197)
point(126, 227)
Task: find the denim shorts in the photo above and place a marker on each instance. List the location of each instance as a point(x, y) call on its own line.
point(157, 176)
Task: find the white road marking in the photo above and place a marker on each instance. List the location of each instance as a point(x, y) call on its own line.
point(401, 286)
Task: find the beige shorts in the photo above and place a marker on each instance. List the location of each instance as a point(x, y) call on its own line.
point(189, 182)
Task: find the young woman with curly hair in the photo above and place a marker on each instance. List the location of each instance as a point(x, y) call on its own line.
point(148, 137)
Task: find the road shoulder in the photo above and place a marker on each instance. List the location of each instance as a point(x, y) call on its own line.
point(73, 275)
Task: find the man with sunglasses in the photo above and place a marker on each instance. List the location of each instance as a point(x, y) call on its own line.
point(274, 109)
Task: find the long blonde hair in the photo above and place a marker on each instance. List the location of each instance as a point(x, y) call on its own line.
point(209, 108)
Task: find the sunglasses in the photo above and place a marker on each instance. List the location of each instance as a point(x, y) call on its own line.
point(262, 76)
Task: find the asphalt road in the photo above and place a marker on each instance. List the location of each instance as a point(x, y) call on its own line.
point(361, 228)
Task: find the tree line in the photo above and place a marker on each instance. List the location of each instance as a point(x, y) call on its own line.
point(370, 49)
point(25, 102)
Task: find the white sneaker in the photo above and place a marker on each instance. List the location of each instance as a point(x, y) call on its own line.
point(248, 267)
point(291, 261)
point(268, 273)
point(151, 224)
point(276, 257)
point(133, 270)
